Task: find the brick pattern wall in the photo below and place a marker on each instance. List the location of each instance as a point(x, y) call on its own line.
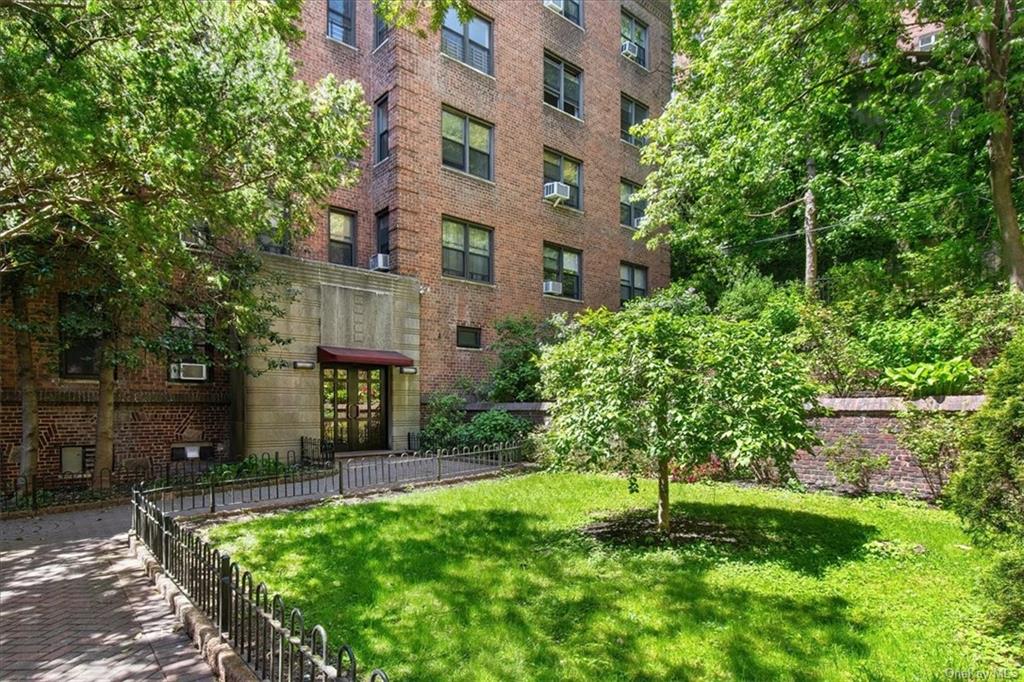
point(418, 190)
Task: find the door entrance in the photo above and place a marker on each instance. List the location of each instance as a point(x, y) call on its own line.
point(353, 412)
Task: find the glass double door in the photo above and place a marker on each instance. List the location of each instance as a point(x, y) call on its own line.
point(354, 407)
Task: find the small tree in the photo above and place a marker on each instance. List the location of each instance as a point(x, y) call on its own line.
point(933, 438)
point(637, 391)
point(851, 462)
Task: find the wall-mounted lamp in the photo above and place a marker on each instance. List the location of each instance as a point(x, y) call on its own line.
point(407, 370)
point(304, 364)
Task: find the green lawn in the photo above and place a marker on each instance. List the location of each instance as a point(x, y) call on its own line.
point(495, 580)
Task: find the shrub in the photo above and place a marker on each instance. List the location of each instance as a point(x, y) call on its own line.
point(852, 463)
point(493, 426)
point(987, 490)
point(836, 358)
point(933, 438)
point(1005, 582)
point(746, 298)
point(944, 377)
point(516, 376)
point(446, 415)
point(678, 298)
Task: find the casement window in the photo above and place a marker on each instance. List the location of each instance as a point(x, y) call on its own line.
point(470, 43)
point(381, 30)
point(632, 281)
point(570, 10)
point(383, 142)
point(341, 230)
point(384, 232)
point(467, 250)
point(635, 31)
point(466, 144)
point(630, 208)
point(77, 459)
point(563, 265)
point(631, 112)
point(468, 337)
point(563, 86)
point(560, 168)
point(341, 20)
point(79, 355)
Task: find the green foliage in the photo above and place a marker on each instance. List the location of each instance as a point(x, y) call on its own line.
point(988, 488)
point(853, 463)
point(836, 357)
point(945, 377)
point(446, 415)
point(250, 467)
point(493, 426)
point(1005, 582)
point(640, 390)
point(757, 299)
point(516, 376)
point(678, 298)
point(447, 426)
point(933, 438)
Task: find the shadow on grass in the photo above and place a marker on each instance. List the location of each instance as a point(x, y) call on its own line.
point(488, 593)
point(802, 541)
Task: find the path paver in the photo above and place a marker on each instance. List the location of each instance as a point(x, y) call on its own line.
point(75, 606)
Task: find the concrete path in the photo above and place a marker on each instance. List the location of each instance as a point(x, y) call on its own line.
point(74, 606)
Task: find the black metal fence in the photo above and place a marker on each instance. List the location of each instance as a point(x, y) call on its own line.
point(271, 638)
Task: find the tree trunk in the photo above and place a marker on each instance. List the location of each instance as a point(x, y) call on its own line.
point(810, 228)
point(28, 461)
point(104, 464)
point(994, 45)
point(664, 520)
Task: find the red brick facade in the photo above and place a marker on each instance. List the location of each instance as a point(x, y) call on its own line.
point(153, 412)
point(418, 190)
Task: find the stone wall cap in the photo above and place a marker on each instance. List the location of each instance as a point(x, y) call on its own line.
point(509, 407)
point(949, 403)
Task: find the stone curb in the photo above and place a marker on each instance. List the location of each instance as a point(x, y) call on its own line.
point(226, 664)
point(117, 501)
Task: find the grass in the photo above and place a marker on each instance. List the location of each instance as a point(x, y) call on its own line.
point(496, 581)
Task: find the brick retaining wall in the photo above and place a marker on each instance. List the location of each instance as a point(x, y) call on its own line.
point(873, 419)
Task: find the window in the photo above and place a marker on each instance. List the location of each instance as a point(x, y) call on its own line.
point(563, 86)
point(381, 31)
point(278, 238)
point(384, 232)
point(571, 11)
point(191, 451)
point(635, 31)
point(341, 230)
point(559, 168)
point(466, 250)
point(632, 281)
point(470, 43)
point(631, 112)
point(187, 342)
point(79, 348)
point(630, 209)
point(563, 265)
point(381, 119)
point(341, 20)
point(926, 41)
point(467, 337)
point(466, 144)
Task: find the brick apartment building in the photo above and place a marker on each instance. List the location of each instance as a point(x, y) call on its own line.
point(469, 129)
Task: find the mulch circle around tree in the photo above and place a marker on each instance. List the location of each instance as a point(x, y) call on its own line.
point(639, 528)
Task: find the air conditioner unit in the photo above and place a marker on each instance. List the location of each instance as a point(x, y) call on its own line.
point(553, 288)
point(192, 240)
point(188, 371)
point(557, 5)
point(630, 49)
point(380, 261)
point(636, 223)
point(556, 192)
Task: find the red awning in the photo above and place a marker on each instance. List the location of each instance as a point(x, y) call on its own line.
point(362, 356)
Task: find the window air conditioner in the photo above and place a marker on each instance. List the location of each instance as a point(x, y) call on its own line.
point(556, 192)
point(557, 5)
point(636, 223)
point(630, 49)
point(553, 288)
point(188, 371)
point(380, 261)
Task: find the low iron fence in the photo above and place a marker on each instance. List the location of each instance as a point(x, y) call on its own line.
point(271, 638)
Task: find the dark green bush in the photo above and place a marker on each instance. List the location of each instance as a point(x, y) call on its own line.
point(447, 427)
point(445, 416)
point(516, 377)
point(493, 426)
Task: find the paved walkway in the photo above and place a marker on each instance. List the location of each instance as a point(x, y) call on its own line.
point(74, 606)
